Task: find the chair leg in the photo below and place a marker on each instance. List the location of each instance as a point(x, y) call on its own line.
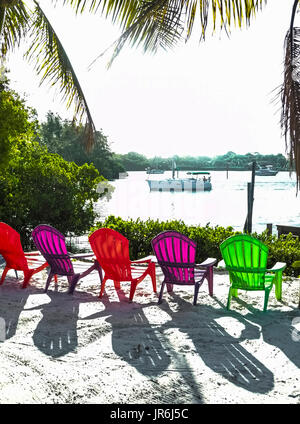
point(153, 276)
point(132, 289)
point(197, 286)
point(229, 298)
point(161, 292)
point(117, 285)
point(278, 285)
point(210, 279)
point(234, 292)
point(99, 269)
point(102, 287)
point(74, 281)
point(27, 275)
point(48, 281)
point(267, 293)
point(169, 287)
point(5, 271)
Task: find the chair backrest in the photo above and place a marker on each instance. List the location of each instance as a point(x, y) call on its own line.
point(246, 260)
point(112, 252)
point(11, 248)
point(176, 254)
point(51, 243)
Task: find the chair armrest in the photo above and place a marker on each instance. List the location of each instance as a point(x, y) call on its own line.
point(30, 259)
point(208, 262)
point(81, 255)
point(222, 264)
point(279, 266)
point(152, 258)
point(141, 261)
point(35, 253)
point(29, 256)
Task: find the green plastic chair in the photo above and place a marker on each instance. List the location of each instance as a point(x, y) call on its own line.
point(245, 258)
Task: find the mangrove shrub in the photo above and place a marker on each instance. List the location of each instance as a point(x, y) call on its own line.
point(37, 187)
point(285, 248)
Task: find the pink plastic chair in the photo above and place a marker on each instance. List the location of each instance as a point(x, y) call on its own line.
point(51, 243)
point(176, 255)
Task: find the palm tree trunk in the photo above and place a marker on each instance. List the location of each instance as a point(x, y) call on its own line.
point(296, 2)
point(295, 138)
point(2, 19)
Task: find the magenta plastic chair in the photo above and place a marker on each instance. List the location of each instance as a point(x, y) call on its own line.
point(176, 255)
point(51, 243)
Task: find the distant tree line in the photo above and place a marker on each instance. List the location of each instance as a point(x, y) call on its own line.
point(66, 139)
point(133, 161)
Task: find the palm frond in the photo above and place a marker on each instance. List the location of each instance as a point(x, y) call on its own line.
point(290, 97)
point(54, 66)
point(15, 25)
point(158, 24)
point(124, 10)
point(115, 8)
point(162, 23)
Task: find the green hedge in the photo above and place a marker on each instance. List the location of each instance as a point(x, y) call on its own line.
point(285, 248)
point(208, 239)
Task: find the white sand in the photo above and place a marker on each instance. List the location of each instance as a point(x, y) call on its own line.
point(82, 349)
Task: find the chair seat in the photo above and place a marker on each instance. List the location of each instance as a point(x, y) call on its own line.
point(199, 274)
point(266, 284)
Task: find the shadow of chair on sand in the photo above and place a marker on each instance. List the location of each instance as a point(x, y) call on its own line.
point(219, 350)
point(134, 340)
point(145, 347)
point(277, 329)
point(56, 333)
point(12, 301)
point(155, 352)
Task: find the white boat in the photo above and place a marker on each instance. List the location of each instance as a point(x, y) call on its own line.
point(180, 184)
point(154, 171)
point(199, 181)
point(266, 171)
point(123, 175)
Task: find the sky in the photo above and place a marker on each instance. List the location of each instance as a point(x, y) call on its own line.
point(199, 99)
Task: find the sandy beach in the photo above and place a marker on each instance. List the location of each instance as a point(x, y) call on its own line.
point(79, 349)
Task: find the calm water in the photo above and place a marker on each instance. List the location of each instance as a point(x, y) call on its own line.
point(225, 205)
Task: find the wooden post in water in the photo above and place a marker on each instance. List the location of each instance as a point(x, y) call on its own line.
point(247, 222)
point(250, 198)
point(269, 229)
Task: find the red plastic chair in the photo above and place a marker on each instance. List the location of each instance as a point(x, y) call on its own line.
point(112, 252)
point(15, 258)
